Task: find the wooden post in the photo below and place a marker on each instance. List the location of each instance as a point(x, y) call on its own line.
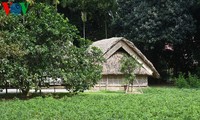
point(138, 82)
point(107, 83)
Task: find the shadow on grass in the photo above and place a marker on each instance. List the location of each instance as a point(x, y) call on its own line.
point(20, 96)
point(108, 92)
point(13, 96)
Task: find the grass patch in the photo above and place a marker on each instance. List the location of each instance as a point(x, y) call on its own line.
point(155, 103)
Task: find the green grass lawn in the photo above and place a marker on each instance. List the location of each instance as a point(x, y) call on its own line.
point(155, 103)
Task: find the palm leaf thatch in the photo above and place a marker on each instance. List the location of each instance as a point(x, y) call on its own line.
point(111, 52)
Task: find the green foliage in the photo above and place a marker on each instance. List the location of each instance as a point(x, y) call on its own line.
point(97, 13)
point(153, 21)
point(128, 66)
point(40, 45)
point(191, 81)
point(152, 24)
point(155, 103)
point(85, 70)
point(181, 82)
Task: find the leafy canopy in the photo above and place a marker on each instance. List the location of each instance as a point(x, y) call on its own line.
point(39, 45)
point(153, 24)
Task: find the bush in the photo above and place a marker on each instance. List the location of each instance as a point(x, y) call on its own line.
point(181, 82)
point(193, 81)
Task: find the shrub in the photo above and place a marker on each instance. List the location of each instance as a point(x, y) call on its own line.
point(193, 81)
point(181, 82)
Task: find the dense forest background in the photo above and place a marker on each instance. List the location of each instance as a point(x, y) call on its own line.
point(166, 31)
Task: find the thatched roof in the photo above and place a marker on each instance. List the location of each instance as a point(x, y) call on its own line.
point(110, 48)
point(113, 66)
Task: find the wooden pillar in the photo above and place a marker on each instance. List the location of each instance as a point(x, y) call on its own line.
point(107, 83)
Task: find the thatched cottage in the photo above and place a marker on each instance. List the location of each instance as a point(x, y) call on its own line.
point(113, 50)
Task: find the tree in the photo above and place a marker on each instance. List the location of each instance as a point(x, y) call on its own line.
point(85, 69)
point(77, 5)
point(44, 40)
point(48, 2)
point(97, 13)
point(83, 6)
point(128, 66)
point(107, 10)
point(152, 24)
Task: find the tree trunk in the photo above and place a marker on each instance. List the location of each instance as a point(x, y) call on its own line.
point(84, 30)
point(40, 87)
point(106, 29)
point(132, 87)
point(56, 6)
point(6, 87)
point(23, 19)
point(25, 92)
point(127, 86)
point(54, 89)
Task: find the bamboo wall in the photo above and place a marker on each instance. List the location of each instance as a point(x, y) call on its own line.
point(117, 82)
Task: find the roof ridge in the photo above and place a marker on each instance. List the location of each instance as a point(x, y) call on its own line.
point(106, 44)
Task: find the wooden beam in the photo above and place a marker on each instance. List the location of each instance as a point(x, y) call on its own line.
point(136, 57)
point(112, 50)
point(123, 45)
